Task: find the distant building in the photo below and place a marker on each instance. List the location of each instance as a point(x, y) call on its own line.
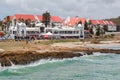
point(72, 22)
point(69, 27)
point(56, 21)
point(108, 25)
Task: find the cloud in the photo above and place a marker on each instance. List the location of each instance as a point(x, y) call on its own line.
point(94, 9)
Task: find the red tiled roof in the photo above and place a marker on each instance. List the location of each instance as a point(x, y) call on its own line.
point(25, 16)
point(75, 20)
point(11, 18)
point(101, 22)
point(72, 22)
point(83, 20)
point(112, 23)
point(95, 22)
point(108, 23)
point(56, 19)
point(39, 17)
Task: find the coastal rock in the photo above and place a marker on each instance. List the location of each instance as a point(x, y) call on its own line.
point(25, 57)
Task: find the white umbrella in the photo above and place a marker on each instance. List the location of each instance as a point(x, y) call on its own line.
point(49, 33)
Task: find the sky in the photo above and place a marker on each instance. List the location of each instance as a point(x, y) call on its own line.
point(92, 9)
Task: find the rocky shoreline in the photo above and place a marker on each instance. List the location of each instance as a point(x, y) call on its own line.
point(22, 57)
point(26, 57)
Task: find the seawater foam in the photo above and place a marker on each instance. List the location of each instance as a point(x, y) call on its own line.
point(101, 54)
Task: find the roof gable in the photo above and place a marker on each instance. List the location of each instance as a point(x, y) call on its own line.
point(112, 23)
point(75, 20)
point(95, 22)
point(39, 17)
point(25, 16)
point(56, 19)
point(101, 22)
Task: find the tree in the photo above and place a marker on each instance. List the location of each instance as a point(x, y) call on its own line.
point(98, 31)
point(53, 25)
point(28, 22)
point(86, 25)
point(46, 18)
point(1, 24)
point(91, 30)
point(89, 22)
point(80, 22)
point(90, 27)
point(8, 22)
point(105, 27)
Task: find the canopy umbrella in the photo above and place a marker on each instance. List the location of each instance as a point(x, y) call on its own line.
point(47, 35)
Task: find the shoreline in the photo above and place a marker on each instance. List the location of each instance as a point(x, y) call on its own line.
point(53, 51)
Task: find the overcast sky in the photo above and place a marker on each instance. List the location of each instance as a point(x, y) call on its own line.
point(93, 9)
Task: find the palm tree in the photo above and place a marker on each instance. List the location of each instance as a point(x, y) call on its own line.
point(46, 18)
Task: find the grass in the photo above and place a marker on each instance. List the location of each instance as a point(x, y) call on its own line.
point(13, 45)
point(48, 42)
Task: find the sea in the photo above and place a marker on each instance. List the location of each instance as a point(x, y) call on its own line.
point(99, 66)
